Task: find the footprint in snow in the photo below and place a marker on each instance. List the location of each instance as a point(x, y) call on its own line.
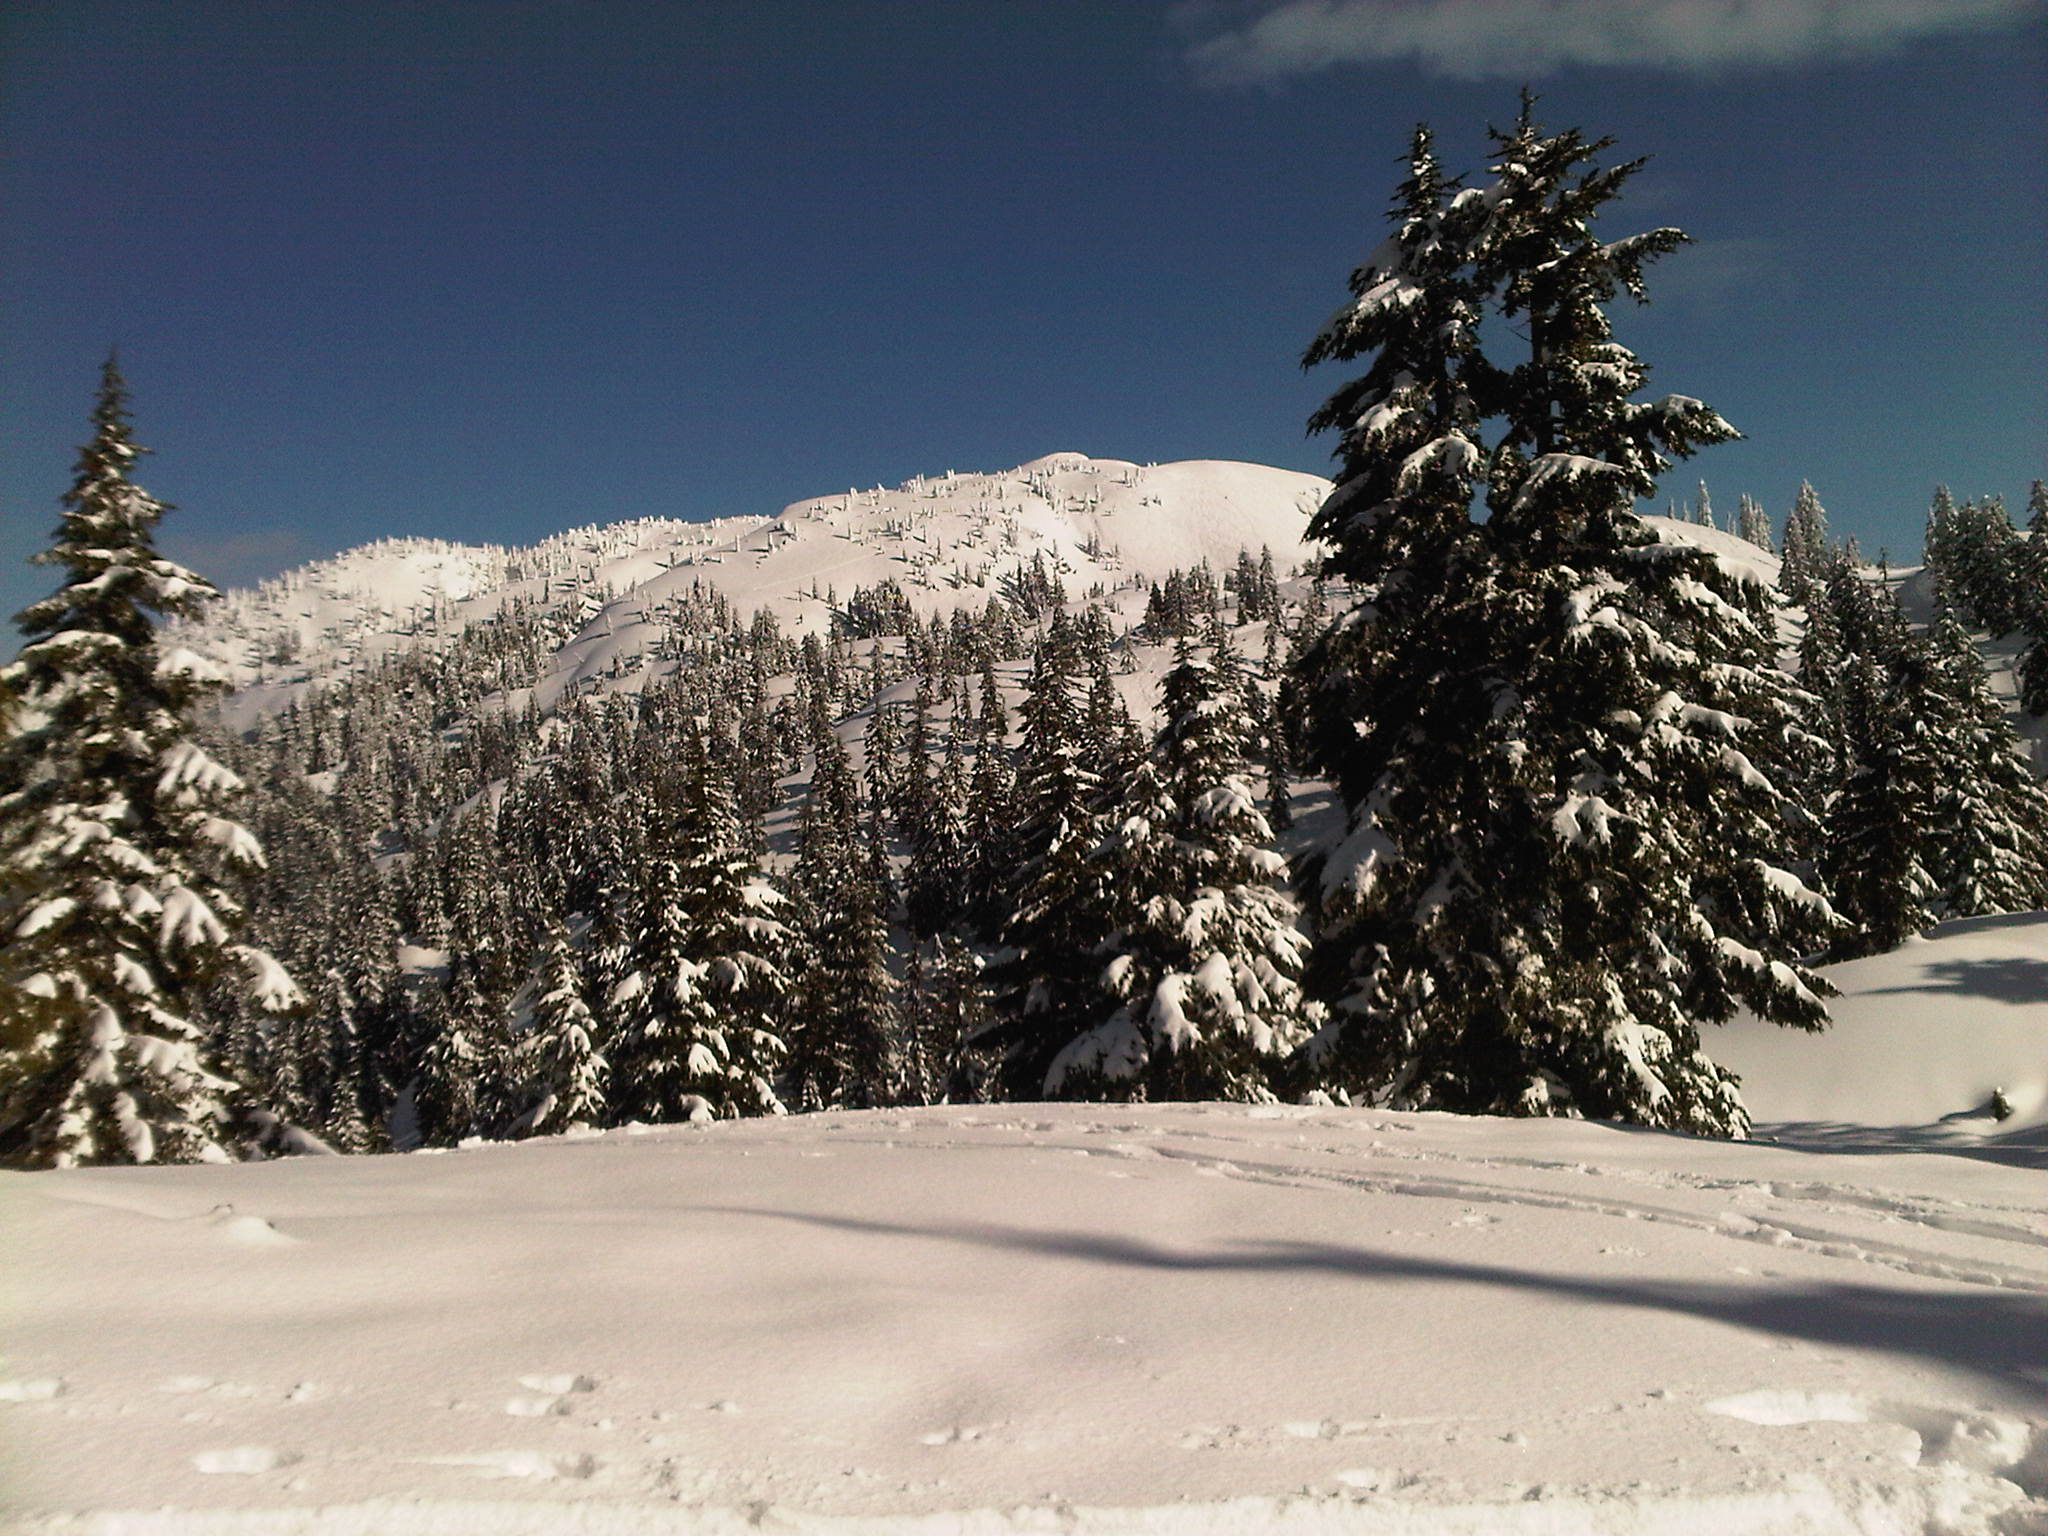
point(1366, 1479)
point(246, 1231)
point(553, 1398)
point(31, 1389)
point(243, 1460)
point(557, 1385)
point(523, 1464)
point(536, 1407)
point(1995, 1444)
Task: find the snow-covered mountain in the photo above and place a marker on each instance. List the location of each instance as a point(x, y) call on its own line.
point(947, 541)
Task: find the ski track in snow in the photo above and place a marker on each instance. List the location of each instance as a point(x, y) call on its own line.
point(1787, 1433)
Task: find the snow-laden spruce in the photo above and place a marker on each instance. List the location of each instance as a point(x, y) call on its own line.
point(117, 862)
point(1562, 746)
point(843, 1002)
point(1934, 812)
point(1206, 955)
point(697, 1010)
point(1046, 980)
point(560, 1051)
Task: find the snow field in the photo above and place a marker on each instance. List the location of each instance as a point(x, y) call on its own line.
point(1095, 1318)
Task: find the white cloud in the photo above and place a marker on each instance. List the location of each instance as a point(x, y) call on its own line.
point(1522, 39)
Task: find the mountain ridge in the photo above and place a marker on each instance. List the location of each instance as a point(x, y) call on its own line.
point(945, 540)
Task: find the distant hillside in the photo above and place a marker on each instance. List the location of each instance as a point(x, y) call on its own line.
point(946, 541)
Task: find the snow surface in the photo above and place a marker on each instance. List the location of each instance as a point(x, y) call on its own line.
point(1921, 1040)
point(1087, 1318)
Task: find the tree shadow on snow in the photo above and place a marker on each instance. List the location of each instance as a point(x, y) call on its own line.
point(2009, 979)
point(1998, 1334)
point(2023, 1148)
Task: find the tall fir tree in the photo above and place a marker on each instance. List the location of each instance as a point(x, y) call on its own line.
point(1558, 740)
point(120, 865)
point(1045, 986)
point(450, 1094)
point(1753, 523)
point(990, 814)
point(941, 1010)
point(741, 935)
point(1991, 817)
point(1203, 965)
point(563, 1064)
point(843, 1012)
point(2031, 669)
point(1879, 855)
point(661, 1041)
point(1805, 547)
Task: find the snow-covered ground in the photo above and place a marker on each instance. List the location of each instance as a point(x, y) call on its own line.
point(1924, 1041)
point(1087, 1318)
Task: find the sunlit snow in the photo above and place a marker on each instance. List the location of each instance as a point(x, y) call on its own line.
point(1093, 1318)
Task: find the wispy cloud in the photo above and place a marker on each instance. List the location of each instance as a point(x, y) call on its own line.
point(1521, 39)
point(239, 559)
point(1714, 275)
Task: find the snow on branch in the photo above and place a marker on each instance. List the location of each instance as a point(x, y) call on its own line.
point(180, 662)
point(271, 987)
point(189, 774)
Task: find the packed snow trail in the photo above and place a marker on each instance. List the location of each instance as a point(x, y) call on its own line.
point(1097, 1318)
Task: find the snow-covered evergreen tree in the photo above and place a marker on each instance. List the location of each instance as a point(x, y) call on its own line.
point(120, 863)
point(990, 812)
point(843, 1012)
point(1879, 854)
point(449, 1096)
point(1753, 523)
point(1805, 547)
point(560, 1052)
point(2030, 670)
point(941, 856)
point(741, 936)
point(1045, 981)
point(1559, 741)
point(1206, 957)
point(662, 1044)
point(1990, 820)
point(940, 1011)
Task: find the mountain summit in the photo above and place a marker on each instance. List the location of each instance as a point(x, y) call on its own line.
point(945, 541)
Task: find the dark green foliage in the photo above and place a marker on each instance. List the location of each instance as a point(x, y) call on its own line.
point(1045, 982)
point(1201, 966)
point(119, 872)
point(1560, 743)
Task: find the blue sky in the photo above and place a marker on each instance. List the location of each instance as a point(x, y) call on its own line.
point(487, 270)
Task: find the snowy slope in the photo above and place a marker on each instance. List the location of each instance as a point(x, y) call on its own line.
point(947, 540)
point(1042, 1318)
point(1921, 1040)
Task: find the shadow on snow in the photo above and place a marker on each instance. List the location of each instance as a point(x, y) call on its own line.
point(2000, 1335)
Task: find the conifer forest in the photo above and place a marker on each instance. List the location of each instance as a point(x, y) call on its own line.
point(1498, 803)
